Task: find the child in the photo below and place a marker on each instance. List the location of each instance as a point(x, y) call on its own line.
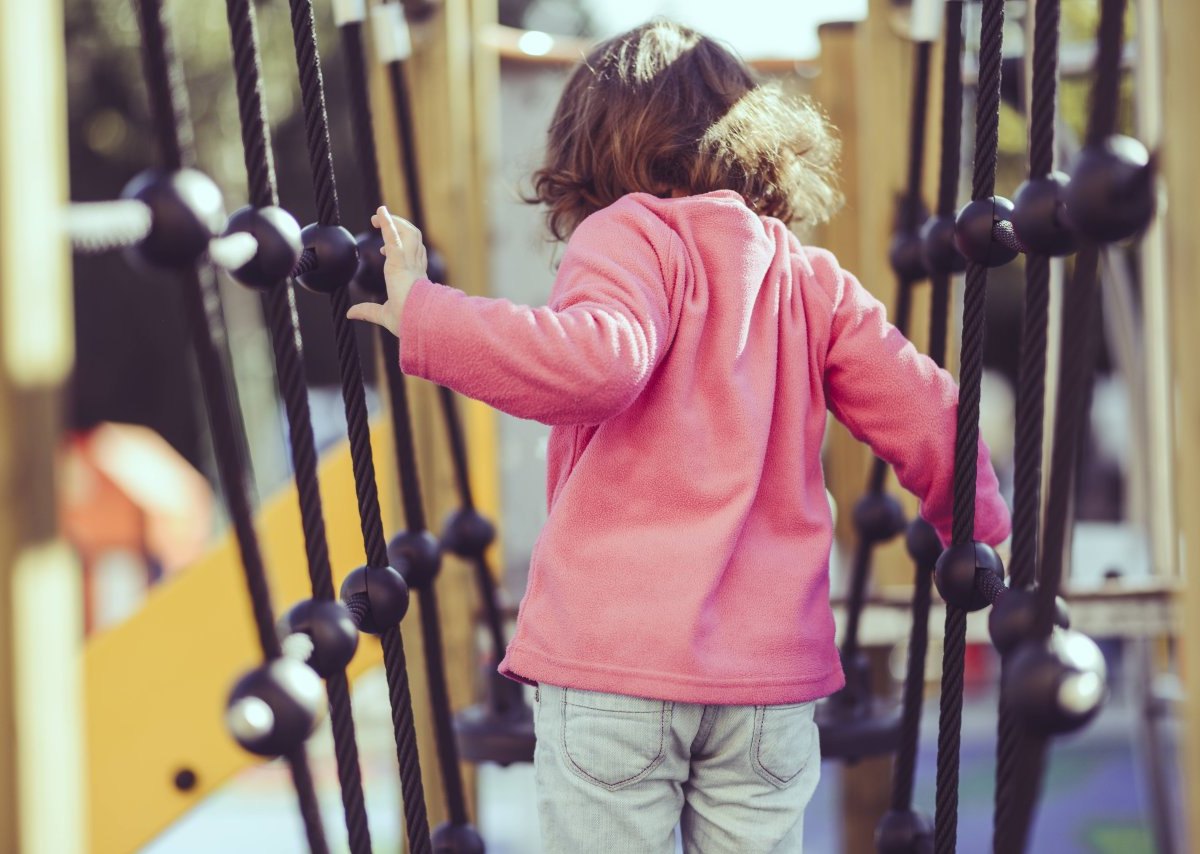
point(677, 620)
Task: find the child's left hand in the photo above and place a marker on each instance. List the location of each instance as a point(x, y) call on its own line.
point(406, 262)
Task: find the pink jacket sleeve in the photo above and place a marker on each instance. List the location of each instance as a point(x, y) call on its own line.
point(901, 404)
point(580, 360)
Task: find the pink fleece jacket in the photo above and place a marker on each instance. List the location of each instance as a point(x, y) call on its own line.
point(686, 361)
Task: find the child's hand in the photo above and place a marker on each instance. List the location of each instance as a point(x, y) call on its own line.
point(406, 262)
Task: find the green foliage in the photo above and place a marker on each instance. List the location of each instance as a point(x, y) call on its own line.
point(109, 121)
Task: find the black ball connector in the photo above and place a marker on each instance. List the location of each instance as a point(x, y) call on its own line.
point(467, 534)
point(1111, 193)
point(186, 211)
point(938, 248)
point(274, 708)
point(278, 237)
point(1039, 216)
point(924, 545)
point(418, 556)
point(973, 231)
point(336, 258)
point(956, 571)
point(878, 517)
point(457, 839)
point(904, 832)
point(368, 277)
point(906, 254)
point(329, 627)
point(1013, 619)
point(1057, 685)
point(376, 596)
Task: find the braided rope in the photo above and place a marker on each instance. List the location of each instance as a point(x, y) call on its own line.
point(172, 125)
point(452, 421)
point(1030, 406)
point(952, 107)
point(310, 808)
point(412, 788)
point(983, 183)
point(904, 767)
point(406, 457)
point(316, 121)
point(279, 305)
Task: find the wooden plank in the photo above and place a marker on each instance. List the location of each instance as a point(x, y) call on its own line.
point(838, 89)
point(1181, 66)
point(865, 86)
point(41, 754)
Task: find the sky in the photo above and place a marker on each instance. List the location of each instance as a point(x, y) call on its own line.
point(755, 28)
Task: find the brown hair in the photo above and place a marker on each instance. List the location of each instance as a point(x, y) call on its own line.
point(663, 109)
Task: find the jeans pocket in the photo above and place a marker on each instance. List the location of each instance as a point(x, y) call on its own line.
point(611, 740)
point(783, 742)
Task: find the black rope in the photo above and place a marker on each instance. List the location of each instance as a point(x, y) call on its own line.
point(1079, 337)
point(316, 122)
point(310, 809)
point(485, 580)
point(169, 110)
point(912, 212)
point(408, 144)
point(1106, 91)
point(952, 107)
point(1030, 412)
point(987, 115)
point(1080, 344)
point(280, 309)
point(1079, 347)
point(406, 457)
point(412, 788)
point(172, 126)
point(905, 765)
point(904, 768)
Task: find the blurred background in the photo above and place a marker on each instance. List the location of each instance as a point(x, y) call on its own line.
point(139, 500)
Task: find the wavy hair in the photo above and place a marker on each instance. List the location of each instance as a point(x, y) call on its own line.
point(665, 110)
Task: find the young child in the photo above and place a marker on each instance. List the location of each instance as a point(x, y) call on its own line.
point(677, 620)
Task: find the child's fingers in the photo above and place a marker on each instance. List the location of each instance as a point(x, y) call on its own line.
point(387, 225)
point(368, 311)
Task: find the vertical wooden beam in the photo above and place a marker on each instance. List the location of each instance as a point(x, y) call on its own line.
point(453, 96)
point(865, 85)
point(41, 752)
point(1181, 171)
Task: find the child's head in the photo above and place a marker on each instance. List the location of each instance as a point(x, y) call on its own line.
point(664, 110)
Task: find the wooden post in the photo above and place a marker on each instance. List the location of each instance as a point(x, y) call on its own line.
point(1181, 172)
point(41, 753)
point(452, 87)
point(865, 85)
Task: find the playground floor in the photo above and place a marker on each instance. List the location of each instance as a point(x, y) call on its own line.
point(1096, 795)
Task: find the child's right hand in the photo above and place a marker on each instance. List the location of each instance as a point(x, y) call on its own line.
point(406, 262)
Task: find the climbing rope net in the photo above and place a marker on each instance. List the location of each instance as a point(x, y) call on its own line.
point(1052, 679)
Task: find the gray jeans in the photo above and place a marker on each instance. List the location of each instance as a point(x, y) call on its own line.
point(616, 774)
